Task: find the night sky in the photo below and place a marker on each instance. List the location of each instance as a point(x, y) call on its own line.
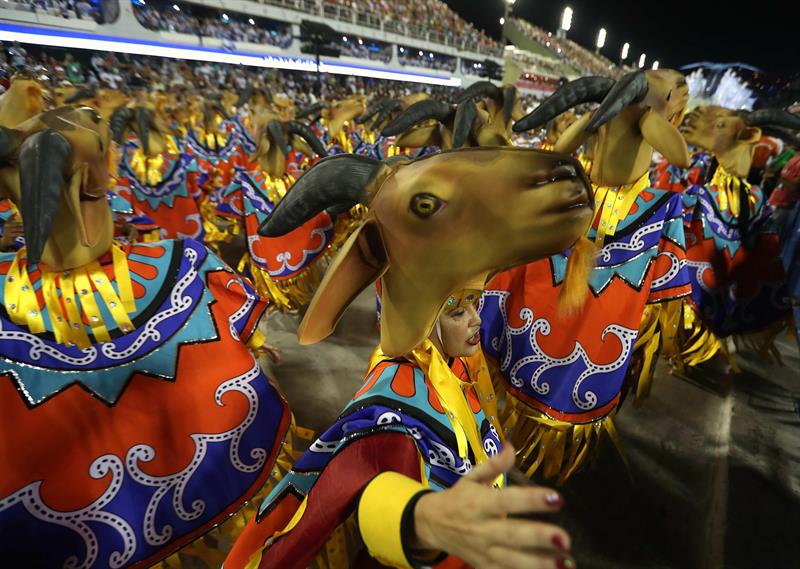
point(766, 34)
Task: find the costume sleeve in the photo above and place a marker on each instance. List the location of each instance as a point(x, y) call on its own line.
point(269, 543)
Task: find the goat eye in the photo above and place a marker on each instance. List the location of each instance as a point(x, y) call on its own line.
point(425, 205)
point(720, 124)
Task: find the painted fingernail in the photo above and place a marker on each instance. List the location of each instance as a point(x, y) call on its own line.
point(553, 499)
point(565, 563)
point(558, 542)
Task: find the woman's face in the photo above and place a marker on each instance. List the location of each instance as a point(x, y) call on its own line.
point(460, 330)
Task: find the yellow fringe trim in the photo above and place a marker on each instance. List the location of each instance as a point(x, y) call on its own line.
point(657, 335)
point(547, 448)
point(289, 294)
point(294, 293)
point(210, 550)
point(762, 341)
point(695, 342)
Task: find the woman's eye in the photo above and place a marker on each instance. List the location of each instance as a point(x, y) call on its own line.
point(425, 205)
point(457, 313)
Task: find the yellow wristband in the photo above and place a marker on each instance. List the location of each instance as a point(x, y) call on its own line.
point(380, 516)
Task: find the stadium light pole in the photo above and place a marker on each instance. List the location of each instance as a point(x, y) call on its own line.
point(601, 40)
point(566, 22)
point(625, 49)
point(507, 4)
point(641, 60)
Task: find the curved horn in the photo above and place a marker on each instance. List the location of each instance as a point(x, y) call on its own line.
point(245, 95)
point(308, 135)
point(119, 122)
point(630, 88)
point(275, 131)
point(509, 100)
point(79, 95)
point(372, 110)
point(465, 117)
point(417, 113)
point(583, 90)
point(785, 135)
point(332, 183)
point(217, 106)
point(8, 143)
point(43, 160)
point(389, 107)
point(478, 89)
point(772, 117)
point(143, 119)
point(309, 110)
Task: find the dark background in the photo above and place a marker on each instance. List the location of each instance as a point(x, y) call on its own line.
point(764, 33)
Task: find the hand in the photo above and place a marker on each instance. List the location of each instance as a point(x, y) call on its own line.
point(11, 231)
point(472, 521)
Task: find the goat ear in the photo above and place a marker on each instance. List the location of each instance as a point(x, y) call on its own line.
point(360, 262)
point(573, 136)
point(33, 98)
point(662, 135)
point(749, 134)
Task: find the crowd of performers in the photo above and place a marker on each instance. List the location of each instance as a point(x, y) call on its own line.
point(525, 291)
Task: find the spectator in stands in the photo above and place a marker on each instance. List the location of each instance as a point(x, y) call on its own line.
point(73, 70)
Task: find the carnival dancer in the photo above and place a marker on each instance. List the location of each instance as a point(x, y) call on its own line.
point(156, 175)
point(666, 176)
point(738, 282)
point(425, 416)
point(566, 356)
point(286, 269)
point(381, 113)
point(134, 413)
point(336, 126)
point(214, 141)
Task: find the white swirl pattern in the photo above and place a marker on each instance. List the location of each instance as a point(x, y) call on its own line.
point(179, 480)
point(532, 327)
point(636, 242)
point(285, 257)
point(77, 520)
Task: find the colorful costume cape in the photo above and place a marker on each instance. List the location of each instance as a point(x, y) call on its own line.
point(666, 176)
point(166, 189)
point(395, 423)
point(217, 155)
point(284, 269)
point(738, 282)
point(128, 449)
point(123, 213)
point(566, 374)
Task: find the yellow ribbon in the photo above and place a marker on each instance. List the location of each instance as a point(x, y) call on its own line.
point(76, 304)
point(147, 169)
point(729, 188)
point(448, 388)
point(614, 203)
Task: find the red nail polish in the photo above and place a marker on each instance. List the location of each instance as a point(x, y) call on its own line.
point(558, 542)
point(565, 563)
point(553, 499)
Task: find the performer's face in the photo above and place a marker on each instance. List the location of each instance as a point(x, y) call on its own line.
point(460, 329)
